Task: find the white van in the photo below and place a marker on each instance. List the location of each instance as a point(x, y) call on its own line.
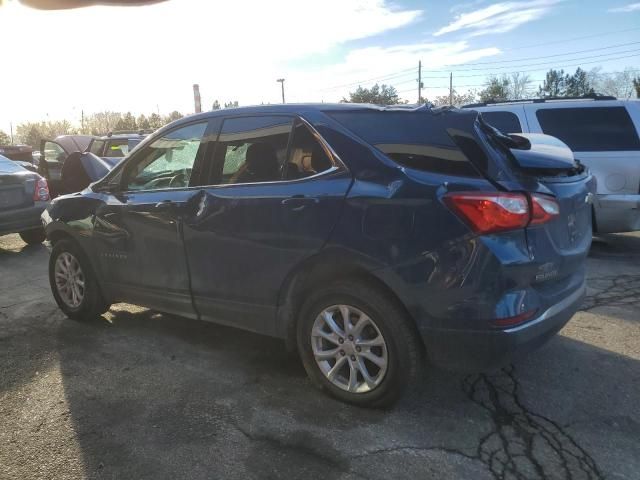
point(603, 134)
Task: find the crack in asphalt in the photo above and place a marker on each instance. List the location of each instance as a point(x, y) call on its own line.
point(614, 290)
point(522, 445)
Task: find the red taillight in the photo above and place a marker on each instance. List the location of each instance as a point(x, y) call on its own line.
point(490, 212)
point(41, 193)
point(543, 209)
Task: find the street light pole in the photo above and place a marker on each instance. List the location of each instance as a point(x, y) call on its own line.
point(281, 80)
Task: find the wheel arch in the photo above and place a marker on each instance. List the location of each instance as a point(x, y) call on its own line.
point(330, 265)
point(54, 236)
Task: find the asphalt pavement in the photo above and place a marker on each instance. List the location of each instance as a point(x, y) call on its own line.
point(139, 394)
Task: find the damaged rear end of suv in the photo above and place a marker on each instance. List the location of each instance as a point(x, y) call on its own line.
point(506, 271)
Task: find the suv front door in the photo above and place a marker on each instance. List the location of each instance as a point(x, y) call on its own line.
point(138, 229)
point(276, 194)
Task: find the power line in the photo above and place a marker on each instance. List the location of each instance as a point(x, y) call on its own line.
point(403, 73)
point(545, 63)
point(555, 42)
point(399, 73)
point(555, 67)
point(409, 71)
point(547, 56)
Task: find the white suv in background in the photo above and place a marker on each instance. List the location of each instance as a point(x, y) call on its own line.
point(603, 134)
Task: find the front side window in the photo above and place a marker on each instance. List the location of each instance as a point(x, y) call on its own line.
point(54, 153)
point(166, 162)
point(506, 122)
point(591, 129)
point(97, 147)
point(252, 149)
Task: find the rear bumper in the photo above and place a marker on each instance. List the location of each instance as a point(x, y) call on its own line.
point(466, 350)
point(617, 213)
point(22, 219)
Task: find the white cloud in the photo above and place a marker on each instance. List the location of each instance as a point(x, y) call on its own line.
point(458, 7)
point(632, 7)
point(499, 17)
point(123, 58)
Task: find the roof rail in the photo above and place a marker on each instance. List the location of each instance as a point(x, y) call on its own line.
point(539, 100)
point(142, 131)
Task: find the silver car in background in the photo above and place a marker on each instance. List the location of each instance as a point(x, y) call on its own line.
point(603, 134)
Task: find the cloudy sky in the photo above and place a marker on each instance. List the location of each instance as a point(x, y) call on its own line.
point(143, 59)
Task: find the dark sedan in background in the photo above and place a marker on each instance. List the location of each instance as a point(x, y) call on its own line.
point(23, 197)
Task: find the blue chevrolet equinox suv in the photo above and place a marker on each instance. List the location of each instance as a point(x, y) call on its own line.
point(366, 237)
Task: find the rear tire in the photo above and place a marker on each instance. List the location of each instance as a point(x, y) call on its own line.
point(385, 354)
point(33, 237)
point(73, 282)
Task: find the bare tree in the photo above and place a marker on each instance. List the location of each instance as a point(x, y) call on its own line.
point(618, 84)
point(519, 86)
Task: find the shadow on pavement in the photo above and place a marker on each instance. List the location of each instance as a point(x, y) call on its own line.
point(156, 396)
point(616, 246)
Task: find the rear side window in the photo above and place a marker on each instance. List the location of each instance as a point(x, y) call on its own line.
point(506, 122)
point(594, 129)
point(253, 149)
point(117, 148)
point(413, 139)
point(306, 156)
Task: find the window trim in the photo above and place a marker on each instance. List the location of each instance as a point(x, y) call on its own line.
point(337, 163)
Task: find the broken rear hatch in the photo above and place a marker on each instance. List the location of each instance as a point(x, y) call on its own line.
point(544, 165)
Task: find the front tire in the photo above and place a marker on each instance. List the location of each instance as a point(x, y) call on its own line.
point(73, 283)
point(357, 344)
point(33, 237)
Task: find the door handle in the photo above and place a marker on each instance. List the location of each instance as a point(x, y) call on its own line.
point(298, 203)
point(165, 205)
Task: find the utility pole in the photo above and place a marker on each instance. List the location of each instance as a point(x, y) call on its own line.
point(196, 98)
point(11, 130)
point(451, 89)
point(281, 80)
point(82, 119)
point(419, 82)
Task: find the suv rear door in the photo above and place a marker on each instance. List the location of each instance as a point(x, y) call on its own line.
point(275, 192)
